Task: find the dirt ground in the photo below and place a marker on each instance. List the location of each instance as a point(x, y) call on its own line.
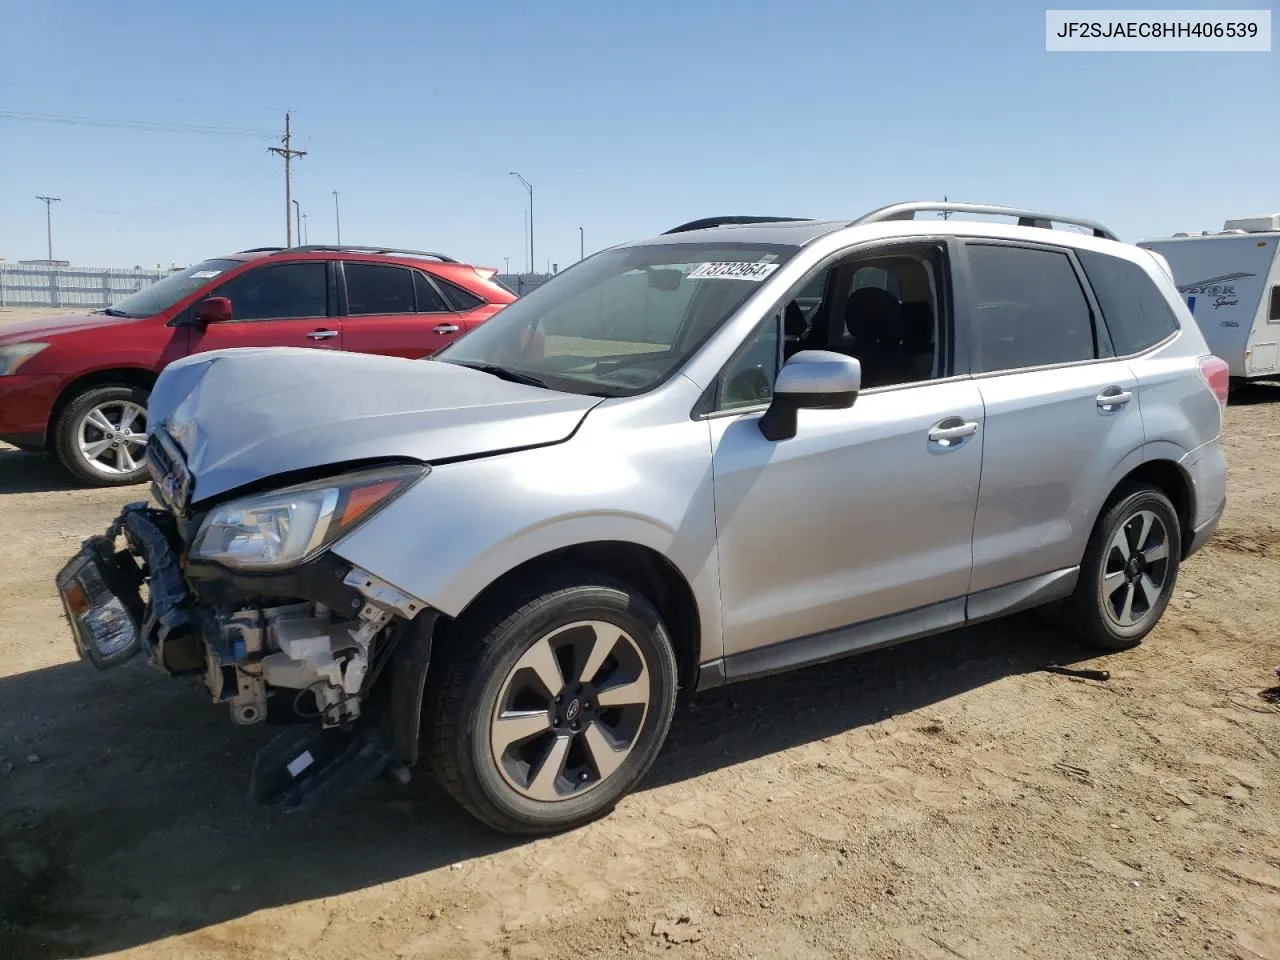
point(941, 799)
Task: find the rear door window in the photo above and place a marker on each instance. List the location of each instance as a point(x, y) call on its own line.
point(377, 288)
point(1029, 309)
point(1133, 308)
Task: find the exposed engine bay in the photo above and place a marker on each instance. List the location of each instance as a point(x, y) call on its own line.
point(296, 649)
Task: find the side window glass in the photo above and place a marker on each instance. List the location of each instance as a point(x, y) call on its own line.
point(429, 301)
point(459, 299)
point(748, 379)
point(376, 288)
point(1028, 309)
point(1133, 308)
point(278, 292)
point(1274, 315)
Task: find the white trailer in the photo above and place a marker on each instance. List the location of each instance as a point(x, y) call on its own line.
point(1231, 282)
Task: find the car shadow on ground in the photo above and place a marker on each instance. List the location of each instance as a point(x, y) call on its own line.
point(124, 820)
point(32, 472)
point(1252, 394)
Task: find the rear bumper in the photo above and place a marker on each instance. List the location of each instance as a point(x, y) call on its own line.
point(25, 405)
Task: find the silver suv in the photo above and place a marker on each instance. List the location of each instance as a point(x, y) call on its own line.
point(740, 447)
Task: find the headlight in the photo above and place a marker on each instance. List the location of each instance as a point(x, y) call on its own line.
point(14, 356)
point(273, 531)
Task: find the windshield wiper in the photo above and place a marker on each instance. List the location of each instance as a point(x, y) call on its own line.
point(112, 312)
point(504, 373)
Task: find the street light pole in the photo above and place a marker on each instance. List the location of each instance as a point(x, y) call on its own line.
point(533, 263)
point(337, 221)
point(304, 228)
point(507, 261)
point(581, 245)
point(297, 219)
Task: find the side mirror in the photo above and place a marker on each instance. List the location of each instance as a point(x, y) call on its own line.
point(812, 380)
point(213, 310)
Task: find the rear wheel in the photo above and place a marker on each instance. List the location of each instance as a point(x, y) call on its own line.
point(101, 435)
point(545, 709)
point(1129, 570)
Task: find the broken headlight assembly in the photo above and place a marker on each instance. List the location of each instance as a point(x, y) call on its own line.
point(284, 528)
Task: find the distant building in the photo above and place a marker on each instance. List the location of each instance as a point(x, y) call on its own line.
point(45, 263)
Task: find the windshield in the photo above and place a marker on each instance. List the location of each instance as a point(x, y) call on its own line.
point(163, 294)
point(622, 321)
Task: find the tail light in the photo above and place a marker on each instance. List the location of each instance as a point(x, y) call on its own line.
point(1215, 372)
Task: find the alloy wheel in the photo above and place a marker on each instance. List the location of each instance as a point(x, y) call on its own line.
point(1135, 570)
point(570, 711)
point(112, 437)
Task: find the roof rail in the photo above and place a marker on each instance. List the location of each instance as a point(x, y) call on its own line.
point(706, 222)
point(260, 250)
point(1026, 218)
point(347, 248)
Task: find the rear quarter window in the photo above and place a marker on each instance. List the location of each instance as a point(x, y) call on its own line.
point(1133, 308)
point(459, 299)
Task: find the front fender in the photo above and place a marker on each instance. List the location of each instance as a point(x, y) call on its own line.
point(469, 523)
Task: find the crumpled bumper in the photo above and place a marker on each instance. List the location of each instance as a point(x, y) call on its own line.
point(102, 595)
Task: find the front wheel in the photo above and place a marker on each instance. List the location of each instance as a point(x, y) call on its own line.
point(1129, 570)
point(545, 709)
point(101, 435)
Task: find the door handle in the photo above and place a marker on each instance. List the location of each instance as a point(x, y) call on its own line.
point(322, 334)
point(952, 431)
point(445, 328)
point(1113, 398)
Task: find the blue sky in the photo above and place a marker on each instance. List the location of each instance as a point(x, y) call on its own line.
point(627, 118)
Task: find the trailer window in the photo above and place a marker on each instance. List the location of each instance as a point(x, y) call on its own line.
point(1135, 311)
point(1274, 315)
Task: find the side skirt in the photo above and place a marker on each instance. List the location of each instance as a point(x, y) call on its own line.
point(886, 631)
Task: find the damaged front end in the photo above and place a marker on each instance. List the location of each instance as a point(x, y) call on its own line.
point(245, 595)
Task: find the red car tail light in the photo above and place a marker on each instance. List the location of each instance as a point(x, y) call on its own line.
point(1215, 372)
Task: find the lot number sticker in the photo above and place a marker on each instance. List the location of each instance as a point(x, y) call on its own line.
point(732, 270)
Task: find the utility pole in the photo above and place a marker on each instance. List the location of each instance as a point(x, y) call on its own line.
point(48, 222)
point(337, 221)
point(946, 214)
point(297, 220)
point(288, 153)
point(533, 263)
point(582, 245)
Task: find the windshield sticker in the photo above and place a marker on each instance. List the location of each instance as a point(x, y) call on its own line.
point(732, 270)
point(205, 274)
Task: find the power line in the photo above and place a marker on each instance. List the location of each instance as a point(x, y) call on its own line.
point(288, 153)
point(152, 126)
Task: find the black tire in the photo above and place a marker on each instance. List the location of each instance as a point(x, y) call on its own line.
point(1087, 614)
point(66, 431)
point(476, 662)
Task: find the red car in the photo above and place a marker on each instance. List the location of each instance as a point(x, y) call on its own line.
point(78, 385)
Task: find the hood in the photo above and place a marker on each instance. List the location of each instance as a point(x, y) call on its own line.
point(244, 414)
point(37, 328)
